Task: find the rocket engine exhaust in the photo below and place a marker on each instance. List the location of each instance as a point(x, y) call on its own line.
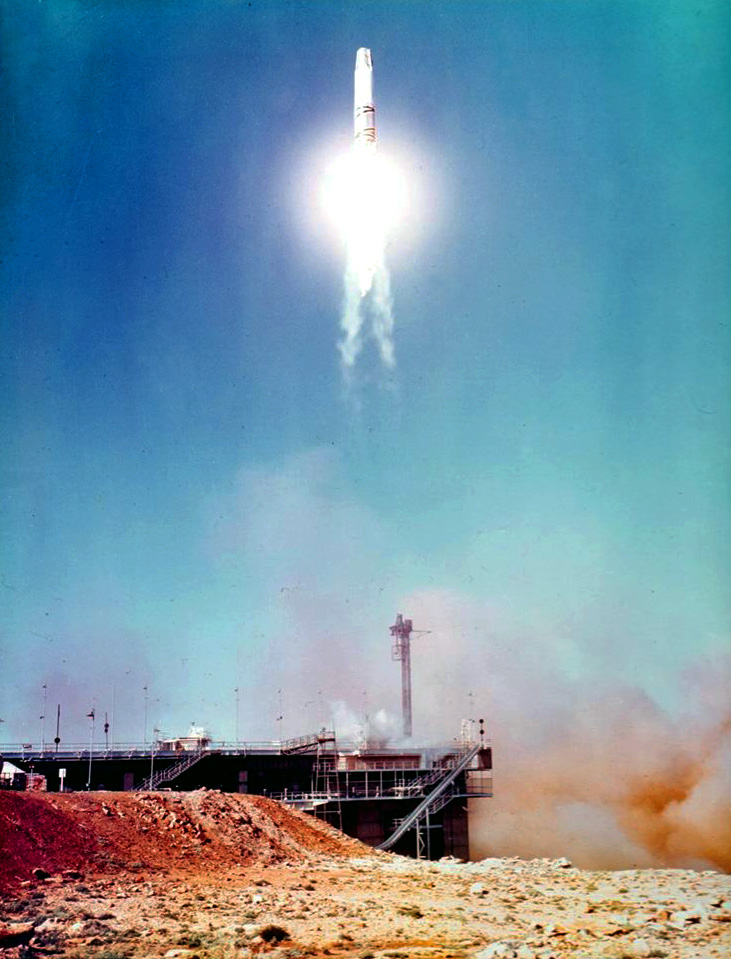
point(365, 201)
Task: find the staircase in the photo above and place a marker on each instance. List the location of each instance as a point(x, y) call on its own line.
point(172, 772)
point(418, 786)
point(437, 798)
point(307, 744)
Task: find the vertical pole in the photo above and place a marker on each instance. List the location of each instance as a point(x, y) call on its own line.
point(43, 720)
point(152, 755)
point(114, 707)
point(280, 717)
point(236, 730)
point(144, 706)
point(406, 683)
point(401, 650)
point(91, 744)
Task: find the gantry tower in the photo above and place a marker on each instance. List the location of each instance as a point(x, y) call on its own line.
point(401, 652)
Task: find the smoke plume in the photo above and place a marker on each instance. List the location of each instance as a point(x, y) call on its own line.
point(376, 305)
point(611, 772)
point(585, 768)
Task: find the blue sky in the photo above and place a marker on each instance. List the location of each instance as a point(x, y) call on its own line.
point(192, 500)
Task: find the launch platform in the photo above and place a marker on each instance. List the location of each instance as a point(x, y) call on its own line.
point(412, 800)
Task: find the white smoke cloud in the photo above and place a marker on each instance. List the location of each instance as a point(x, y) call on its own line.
point(377, 306)
point(323, 575)
point(351, 322)
point(383, 316)
point(586, 766)
point(374, 729)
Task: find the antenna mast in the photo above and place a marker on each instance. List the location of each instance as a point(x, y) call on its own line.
point(401, 652)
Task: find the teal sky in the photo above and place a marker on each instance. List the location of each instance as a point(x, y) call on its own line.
point(193, 500)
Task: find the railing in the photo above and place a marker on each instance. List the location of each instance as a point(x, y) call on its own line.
point(27, 751)
point(347, 762)
point(304, 743)
point(129, 750)
point(172, 772)
point(435, 800)
point(347, 785)
point(438, 771)
point(300, 799)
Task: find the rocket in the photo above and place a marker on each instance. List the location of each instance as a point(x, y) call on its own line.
point(365, 240)
point(364, 112)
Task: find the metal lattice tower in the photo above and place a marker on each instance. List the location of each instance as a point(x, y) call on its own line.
point(401, 652)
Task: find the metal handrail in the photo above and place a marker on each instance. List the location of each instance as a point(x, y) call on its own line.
point(26, 751)
point(430, 802)
point(172, 772)
point(344, 746)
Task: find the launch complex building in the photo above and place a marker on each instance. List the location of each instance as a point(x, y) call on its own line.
point(410, 799)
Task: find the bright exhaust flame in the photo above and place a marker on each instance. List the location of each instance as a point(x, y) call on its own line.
point(365, 196)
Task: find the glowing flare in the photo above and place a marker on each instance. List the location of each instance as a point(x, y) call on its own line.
point(365, 196)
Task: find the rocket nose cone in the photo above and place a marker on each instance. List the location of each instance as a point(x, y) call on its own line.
point(363, 59)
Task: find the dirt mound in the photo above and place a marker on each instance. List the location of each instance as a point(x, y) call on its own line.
point(196, 832)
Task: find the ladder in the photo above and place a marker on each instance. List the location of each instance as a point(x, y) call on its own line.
point(325, 786)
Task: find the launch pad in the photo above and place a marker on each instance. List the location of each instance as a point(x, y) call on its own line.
point(411, 800)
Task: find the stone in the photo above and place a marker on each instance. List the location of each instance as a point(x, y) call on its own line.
point(684, 917)
point(15, 934)
point(478, 889)
point(639, 948)
point(39, 873)
point(504, 949)
point(49, 925)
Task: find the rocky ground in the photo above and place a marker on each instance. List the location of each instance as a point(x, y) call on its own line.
point(218, 876)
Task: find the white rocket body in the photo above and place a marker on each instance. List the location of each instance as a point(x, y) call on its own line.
point(364, 112)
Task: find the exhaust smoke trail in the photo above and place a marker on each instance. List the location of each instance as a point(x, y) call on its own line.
point(365, 196)
point(383, 316)
point(377, 303)
point(351, 322)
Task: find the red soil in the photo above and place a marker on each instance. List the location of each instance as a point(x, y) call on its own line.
point(184, 833)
